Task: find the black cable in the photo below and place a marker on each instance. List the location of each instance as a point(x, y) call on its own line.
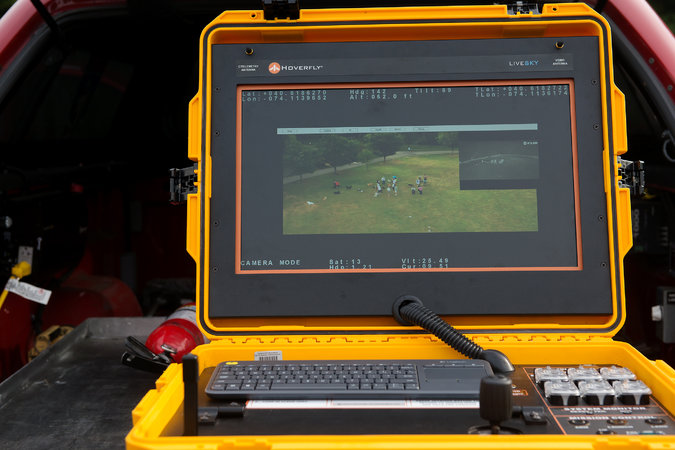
point(408, 310)
point(423, 317)
point(50, 22)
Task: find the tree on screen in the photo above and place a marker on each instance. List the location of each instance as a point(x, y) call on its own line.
point(385, 144)
point(365, 156)
point(337, 150)
point(448, 139)
point(300, 158)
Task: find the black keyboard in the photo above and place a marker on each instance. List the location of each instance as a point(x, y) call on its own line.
point(355, 379)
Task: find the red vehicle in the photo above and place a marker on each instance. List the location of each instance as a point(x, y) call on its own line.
point(93, 113)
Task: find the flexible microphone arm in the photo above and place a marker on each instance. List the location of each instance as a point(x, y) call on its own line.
point(409, 310)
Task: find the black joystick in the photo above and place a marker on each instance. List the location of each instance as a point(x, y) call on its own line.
point(496, 401)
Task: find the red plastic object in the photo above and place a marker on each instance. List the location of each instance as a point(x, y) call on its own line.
point(82, 296)
point(15, 333)
point(179, 333)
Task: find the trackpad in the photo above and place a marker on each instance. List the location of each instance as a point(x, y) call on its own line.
point(454, 375)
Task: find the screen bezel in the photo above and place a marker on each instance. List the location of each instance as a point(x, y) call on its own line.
point(388, 85)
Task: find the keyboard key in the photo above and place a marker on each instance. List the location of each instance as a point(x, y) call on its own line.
point(226, 377)
point(286, 387)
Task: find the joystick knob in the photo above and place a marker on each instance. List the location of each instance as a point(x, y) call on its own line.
point(496, 400)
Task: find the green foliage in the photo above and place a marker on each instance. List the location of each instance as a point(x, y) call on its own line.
point(365, 156)
point(304, 154)
point(299, 158)
point(416, 139)
point(669, 19)
point(337, 150)
point(312, 207)
point(5, 5)
point(385, 144)
point(447, 139)
point(665, 9)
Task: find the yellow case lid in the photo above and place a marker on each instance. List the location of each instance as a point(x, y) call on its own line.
point(414, 24)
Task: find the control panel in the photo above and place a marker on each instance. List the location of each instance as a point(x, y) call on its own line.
point(591, 399)
point(552, 400)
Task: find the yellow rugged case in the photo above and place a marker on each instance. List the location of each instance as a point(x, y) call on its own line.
point(532, 340)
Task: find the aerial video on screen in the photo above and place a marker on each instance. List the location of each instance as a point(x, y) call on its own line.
point(378, 182)
point(405, 177)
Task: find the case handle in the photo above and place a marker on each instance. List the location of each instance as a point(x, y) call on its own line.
point(619, 121)
point(625, 232)
point(192, 229)
point(194, 127)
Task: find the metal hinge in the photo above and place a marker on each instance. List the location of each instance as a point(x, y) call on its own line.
point(181, 183)
point(281, 9)
point(632, 175)
point(520, 7)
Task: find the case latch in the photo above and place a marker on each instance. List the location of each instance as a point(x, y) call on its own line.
point(181, 183)
point(632, 175)
point(281, 9)
point(520, 7)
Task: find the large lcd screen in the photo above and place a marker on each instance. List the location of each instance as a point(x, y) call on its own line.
point(402, 177)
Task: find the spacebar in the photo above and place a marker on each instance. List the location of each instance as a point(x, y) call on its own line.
point(308, 387)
